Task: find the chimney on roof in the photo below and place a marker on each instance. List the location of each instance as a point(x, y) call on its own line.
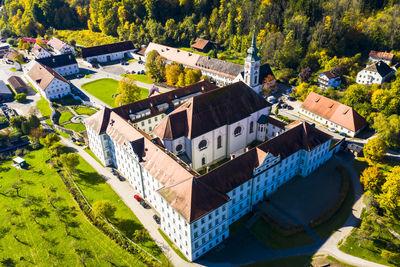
point(112, 122)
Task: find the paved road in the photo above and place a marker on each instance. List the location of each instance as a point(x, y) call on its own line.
point(126, 192)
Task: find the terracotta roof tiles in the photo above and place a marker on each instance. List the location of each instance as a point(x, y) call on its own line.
point(334, 111)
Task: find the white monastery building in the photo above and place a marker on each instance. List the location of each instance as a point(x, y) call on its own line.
point(223, 72)
point(376, 73)
point(196, 210)
point(64, 64)
point(108, 52)
point(40, 52)
point(49, 82)
point(60, 47)
point(332, 114)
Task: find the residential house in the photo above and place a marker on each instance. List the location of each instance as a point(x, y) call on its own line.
point(376, 73)
point(60, 47)
point(330, 78)
point(49, 82)
point(40, 52)
point(332, 114)
point(108, 52)
point(64, 64)
point(202, 45)
point(375, 56)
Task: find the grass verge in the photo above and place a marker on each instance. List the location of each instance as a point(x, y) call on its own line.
point(172, 245)
point(44, 108)
point(140, 78)
point(90, 152)
point(77, 127)
point(95, 188)
point(85, 111)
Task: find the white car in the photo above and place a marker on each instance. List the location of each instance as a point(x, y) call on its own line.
point(333, 130)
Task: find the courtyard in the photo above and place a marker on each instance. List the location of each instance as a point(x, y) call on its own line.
point(105, 90)
point(295, 203)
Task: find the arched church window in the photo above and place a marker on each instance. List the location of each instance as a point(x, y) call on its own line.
point(219, 142)
point(251, 127)
point(237, 131)
point(202, 144)
point(179, 148)
point(203, 161)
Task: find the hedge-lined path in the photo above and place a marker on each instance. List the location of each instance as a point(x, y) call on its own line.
point(126, 192)
point(244, 248)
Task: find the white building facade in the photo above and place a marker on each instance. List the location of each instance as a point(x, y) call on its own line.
point(376, 73)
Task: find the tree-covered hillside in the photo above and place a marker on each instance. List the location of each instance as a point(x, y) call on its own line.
point(342, 27)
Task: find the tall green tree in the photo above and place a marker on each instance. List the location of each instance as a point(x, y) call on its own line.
point(127, 92)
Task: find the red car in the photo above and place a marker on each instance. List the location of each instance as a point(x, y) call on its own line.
point(137, 198)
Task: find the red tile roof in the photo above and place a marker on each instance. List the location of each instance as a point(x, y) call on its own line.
point(384, 55)
point(334, 111)
point(200, 43)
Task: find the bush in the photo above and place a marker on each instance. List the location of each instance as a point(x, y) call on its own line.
point(3, 122)
point(391, 257)
point(11, 41)
point(20, 97)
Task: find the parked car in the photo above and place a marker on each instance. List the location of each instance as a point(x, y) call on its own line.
point(343, 134)
point(279, 106)
point(79, 76)
point(290, 107)
point(144, 204)
point(133, 72)
point(137, 198)
point(291, 98)
point(285, 105)
point(313, 124)
point(332, 130)
point(157, 219)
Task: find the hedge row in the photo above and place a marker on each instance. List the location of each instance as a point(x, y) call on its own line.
point(344, 189)
point(104, 227)
point(281, 229)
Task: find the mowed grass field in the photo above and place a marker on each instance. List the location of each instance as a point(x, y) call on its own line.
point(106, 89)
point(43, 226)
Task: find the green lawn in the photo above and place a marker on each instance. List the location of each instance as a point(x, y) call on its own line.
point(369, 250)
point(172, 245)
point(339, 218)
point(105, 88)
point(65, 116)
point(139, 77)
point(44, 108)
point(274, 240)
point(77, 127)
point(298, 261)
point(90, 152)
point(45, 242)
point(95, 188)
point(85, 111)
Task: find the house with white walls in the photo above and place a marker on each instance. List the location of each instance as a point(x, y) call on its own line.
point(376, 73)
point(60, 47)
point(64, 64)
point(49, 82)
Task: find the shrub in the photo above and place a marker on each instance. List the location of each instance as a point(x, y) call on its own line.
point(3, 122)
point(391, 257)
point(20, 97)
point(11, 41)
